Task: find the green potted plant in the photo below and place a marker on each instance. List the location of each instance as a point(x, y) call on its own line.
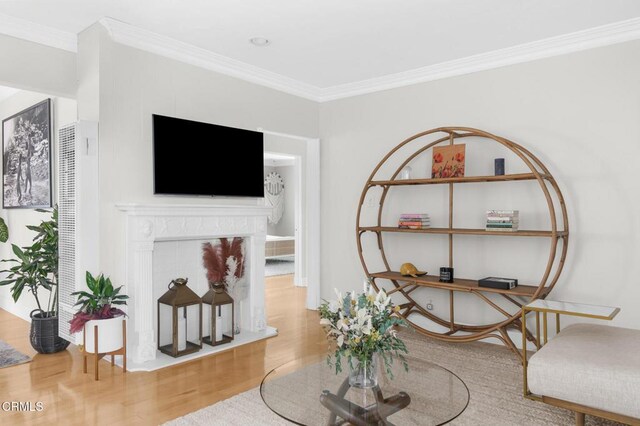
point(97, 310)
point(36, 269)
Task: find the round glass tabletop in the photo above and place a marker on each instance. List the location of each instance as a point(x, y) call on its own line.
point(314, 395)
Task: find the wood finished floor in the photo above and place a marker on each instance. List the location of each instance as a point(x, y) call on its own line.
point(71, 397)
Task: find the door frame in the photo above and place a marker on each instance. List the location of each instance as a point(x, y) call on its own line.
point(312, 191)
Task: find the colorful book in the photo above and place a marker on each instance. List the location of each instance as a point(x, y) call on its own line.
point(415, 216)
point(413, 223)
point(503, 213)
point(412, 227)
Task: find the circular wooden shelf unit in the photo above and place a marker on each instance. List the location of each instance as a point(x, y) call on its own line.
point(404, 286)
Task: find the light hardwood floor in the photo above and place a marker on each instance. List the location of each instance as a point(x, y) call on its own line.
point(71, 397)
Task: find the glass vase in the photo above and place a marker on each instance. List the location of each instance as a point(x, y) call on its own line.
point(364, 374)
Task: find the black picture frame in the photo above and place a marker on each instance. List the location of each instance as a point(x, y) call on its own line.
point(26, 156)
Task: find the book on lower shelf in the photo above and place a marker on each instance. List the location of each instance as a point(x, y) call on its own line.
point(502, 220)
point(498, 282)
point(414, 221)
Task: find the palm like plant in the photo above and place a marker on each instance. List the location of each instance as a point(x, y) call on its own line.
point(36, 265)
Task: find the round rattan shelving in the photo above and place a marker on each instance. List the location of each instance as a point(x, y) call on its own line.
point(404, 286)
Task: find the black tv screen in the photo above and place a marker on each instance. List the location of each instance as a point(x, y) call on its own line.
point(193, 158)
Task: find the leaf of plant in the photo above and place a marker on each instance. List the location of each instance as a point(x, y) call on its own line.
point(108, 290)
point(18, 252)
point(91, 282)
point(4, 231)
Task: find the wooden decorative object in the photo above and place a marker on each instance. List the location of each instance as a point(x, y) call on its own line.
point(97, 356)
point(558, 235)
point(351, 413)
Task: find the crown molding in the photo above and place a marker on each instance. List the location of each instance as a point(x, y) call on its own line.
point(41, 34)
point(161, 45)
point(605, 35)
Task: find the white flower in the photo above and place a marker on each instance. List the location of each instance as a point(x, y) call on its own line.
point(325, 321)
point(362, 323)
point(338, 294)
point(340, 340)
point(382, 300)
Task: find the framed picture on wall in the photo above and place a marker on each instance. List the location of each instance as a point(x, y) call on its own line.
point(26, 158)
point(448, 161)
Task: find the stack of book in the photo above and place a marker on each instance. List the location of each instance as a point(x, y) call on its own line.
point(414, 221)
point(502, 220)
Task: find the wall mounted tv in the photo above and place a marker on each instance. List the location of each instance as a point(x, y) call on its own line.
point(193, 158)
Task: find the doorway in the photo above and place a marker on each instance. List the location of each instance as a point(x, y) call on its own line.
point(302, 154)
point(282, 190)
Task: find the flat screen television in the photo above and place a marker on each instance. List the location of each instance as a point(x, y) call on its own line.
point(193, 158)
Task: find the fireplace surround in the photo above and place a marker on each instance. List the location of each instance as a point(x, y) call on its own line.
point(149, 224)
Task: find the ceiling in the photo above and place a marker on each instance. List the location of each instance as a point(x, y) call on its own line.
point(328, 43)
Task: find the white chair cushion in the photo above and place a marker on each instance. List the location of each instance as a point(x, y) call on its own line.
point(593, 365)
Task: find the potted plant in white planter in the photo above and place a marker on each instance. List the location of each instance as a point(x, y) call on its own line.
point(35, 270)
point(97, 309)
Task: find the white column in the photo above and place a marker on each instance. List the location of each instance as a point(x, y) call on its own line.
point(256, 314)
point(144, 320)
point(140, 274)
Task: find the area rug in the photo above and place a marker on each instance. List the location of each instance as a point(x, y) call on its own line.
point(9, 356)
point(279, 266)
point(492, 373)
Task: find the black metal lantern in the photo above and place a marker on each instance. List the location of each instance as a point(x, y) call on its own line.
point(222, 309)
point(182, 300)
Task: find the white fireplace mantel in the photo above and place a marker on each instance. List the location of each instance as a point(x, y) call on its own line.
point(148, 223)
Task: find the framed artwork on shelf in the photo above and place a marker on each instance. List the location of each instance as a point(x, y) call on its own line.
point(26, 157)
point(448, 161)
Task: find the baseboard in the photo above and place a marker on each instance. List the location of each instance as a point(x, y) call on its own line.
point(302, 282)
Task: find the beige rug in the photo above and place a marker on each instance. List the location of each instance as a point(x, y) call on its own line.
point(492, 373)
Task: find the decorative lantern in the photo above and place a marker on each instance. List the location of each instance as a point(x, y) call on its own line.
point(222, 311)
point(184, 303)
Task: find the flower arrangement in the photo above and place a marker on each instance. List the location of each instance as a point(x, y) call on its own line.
point(224, 263)
point(362, 325)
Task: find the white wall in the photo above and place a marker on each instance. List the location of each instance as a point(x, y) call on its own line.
point(124, 86)
point(32, 66)
point(579, 113)
point(63, 112)
point(287, 224)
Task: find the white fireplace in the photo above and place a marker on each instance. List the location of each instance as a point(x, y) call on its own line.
point(162, 241)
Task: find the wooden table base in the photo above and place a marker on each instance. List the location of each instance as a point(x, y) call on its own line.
point(356, 415)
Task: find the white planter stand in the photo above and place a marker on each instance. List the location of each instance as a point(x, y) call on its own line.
point(105, 337)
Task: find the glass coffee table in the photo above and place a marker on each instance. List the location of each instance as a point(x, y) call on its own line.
point(314, 395)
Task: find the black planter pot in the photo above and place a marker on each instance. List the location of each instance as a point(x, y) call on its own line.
point(44, 334)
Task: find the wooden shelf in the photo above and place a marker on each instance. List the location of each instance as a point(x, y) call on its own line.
point(466, 179)
point(462, 231)
point(459, 284)
point(536, 173)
